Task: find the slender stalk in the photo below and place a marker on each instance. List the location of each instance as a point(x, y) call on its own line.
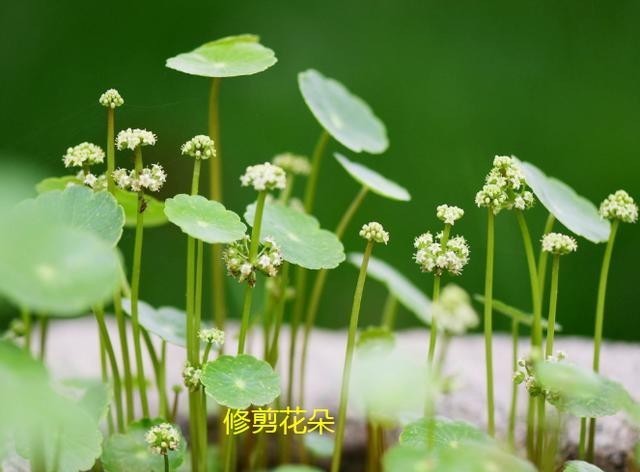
point(253, 251)
point(166, 462)
point(104, 375)
point(111, 152)
point(389, 312)
point(488, 315)
point(346, 374)
point(117, 387)
point(174, 407)
point(312, 181)
point(156, 363)
point(135, 291)
point(162, 382)
point(124, 352)
point(553, 304)
point(583, 438)
point(513, 408)
point(215, 189)
point(274, 350)
point(316, 295)
point(542, 259)
point(44, 332)
point(26, 319)
point(597, 338)
point(433, 331)
point(285, 194)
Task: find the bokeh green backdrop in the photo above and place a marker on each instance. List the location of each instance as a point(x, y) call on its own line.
point(555, 83)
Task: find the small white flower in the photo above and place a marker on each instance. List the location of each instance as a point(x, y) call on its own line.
point(373, 231)
point(132, 138)
point(212, 336)
point(505, 187)
point(453, 311)
point(268, 260)
point(191, 377)
point(449, 214)
point(200, 147)
point(163, 438)
point(111, 99)
point(559, 244)
point(431, 256)
point(619, 206)
point(83, 154)
point(264, 177)
point(150, 178)
point(293, 164)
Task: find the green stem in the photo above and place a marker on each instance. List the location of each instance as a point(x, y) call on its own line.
point(162, 382)
point(389, 312)
point(166, 462)
point(104, 375)
point(174, 407)
point(433, 329)
point(44, 332)
point(542, 260)
point(135, 290)
point(124, 351)
point(597, 338)
point(346, 374)
point(117, 387)
point(316, 295)
point(513, 408)
point(26, 319)
point(156, 364)
point(541, 403)
point(583, 439)
point(111, 160)
point(312, 181)
point(253, 251)
point(553, 304)
point(275, 343)
point(488, 315)
point(285, 194)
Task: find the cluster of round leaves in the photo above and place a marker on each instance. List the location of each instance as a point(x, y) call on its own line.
point(505, 187)
point(434, 256)
point(268, 260)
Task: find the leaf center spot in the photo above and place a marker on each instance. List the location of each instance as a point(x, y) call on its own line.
point(202, 223)
point(293, 237)
point(337, 122)
point(241, 384)
point(45, 272)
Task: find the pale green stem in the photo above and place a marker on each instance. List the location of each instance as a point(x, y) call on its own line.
point(433, 331)
point(312, 181)
point(583, 439)
point(111, 152)
point(542, 260)
point(285, 194)
point(26, 319)
point(513, 408)
point(346, 374)
point(597, 339)
point(389, 312)
point(174, 408)
point(488, 315)
point(124, 351)
point(44, 332)
point(157, 364)
point(275, 343)
point(253, 252)
point(166, 462)
point(135, 290)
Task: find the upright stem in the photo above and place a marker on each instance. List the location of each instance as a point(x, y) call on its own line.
point(111, 160)
point(26, 319)
point(253, 251)
point(597, 338)
point(346, 374)
point(44, 332)
point(488, 314)
point(274, 349)
point(312, 181)
point(389, 312)
point(513, 408)
point(433, 332)
point(316, 295)
point(542, 260)
point(553, 304)
point(166, 462)
point(124, 352)
point(215, 189)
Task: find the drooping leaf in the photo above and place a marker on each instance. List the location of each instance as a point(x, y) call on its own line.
point(226, 57)
point(153, 212)
point(402, 288)
point(57, 183)
point(203, 219)
point(575, 212)
point(515, 313)
point(166, 322)
point(580, 466)
point(78, 207)
point(299, 236)
point(240, 381)
point(56, 270)
point(582, 393)
point(130, 451)
point(444, 433)
point(345, 116)
point(372, 180)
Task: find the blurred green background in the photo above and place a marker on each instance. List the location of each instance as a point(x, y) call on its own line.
point(555, 83)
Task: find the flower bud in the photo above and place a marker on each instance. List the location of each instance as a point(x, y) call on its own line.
point(374, 232)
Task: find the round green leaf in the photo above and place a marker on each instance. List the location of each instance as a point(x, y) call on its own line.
point(346, 117)
point(226, 57)
point(57, 183)
point(582, 393)
point(241, 381)
point(78, 207)
point(372, 180)
point(130, 451)
point(93, 396)
point(299, 236)
point(166, 322)
point(56, 270)
point(153, 212)
point(402, 288)
point(319, 445)
point(446, 433)
point(203, 219)
point(575, 212)
point(580, 466)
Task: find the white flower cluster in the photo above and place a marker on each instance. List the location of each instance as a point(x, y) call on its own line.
point(191, 376)
point(111, 99)
point(212, 336)
point(293, 163)
point(431, 256)
point(526, 375)
point(264, 177)
point(96, 182)
point(132, 138)
point(619, 206)
point(268, 260)
point(84, 154)
point(373, 231)
point(200, 147)
point(505, 187)
point(150, 178)
point(449, 214)
point(453, 311)
point(162, 438)
point(558, 243)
